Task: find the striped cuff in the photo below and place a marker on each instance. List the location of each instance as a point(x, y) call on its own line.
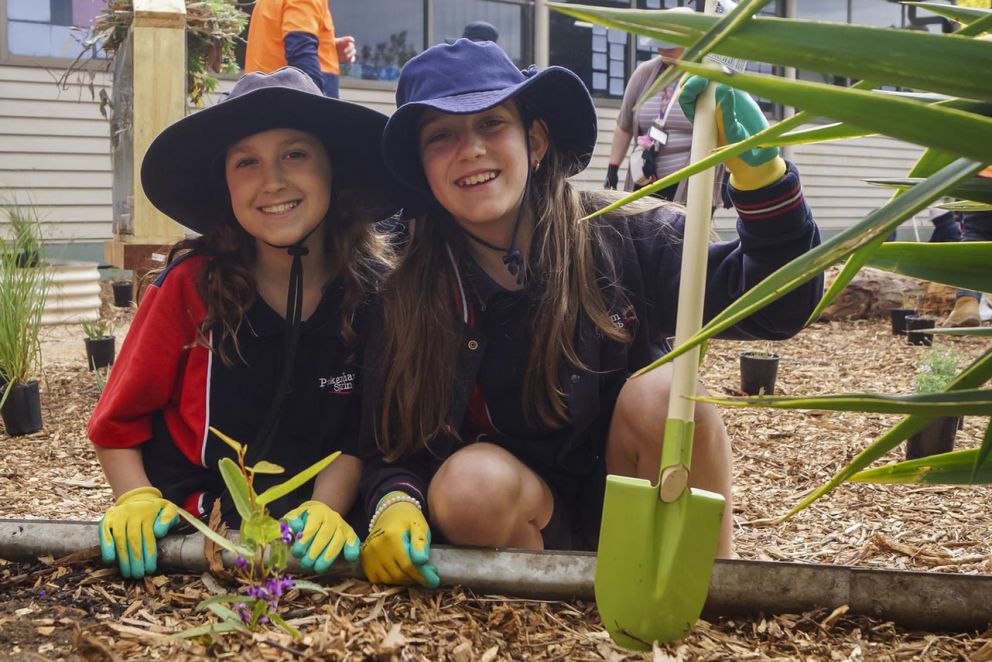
point(778, 199)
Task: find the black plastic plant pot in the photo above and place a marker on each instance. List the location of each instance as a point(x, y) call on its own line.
point(100, 352)
point(123, 293)
point(758, 372)
point(936, 438)
point(26, 259)
point(915, 322)
point(22, 411)
point(898, 317)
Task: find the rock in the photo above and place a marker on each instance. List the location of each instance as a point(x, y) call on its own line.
point(872, 293)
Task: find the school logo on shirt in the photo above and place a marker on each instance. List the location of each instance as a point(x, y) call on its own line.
point(342, 384)
point(624, 320)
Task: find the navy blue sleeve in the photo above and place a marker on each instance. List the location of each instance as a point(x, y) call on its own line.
point(774, 226)
point(301, 52)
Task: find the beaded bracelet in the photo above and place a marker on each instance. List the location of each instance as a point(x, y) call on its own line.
point(381, 508)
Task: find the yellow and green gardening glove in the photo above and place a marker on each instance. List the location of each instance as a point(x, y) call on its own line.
point(398, 548)
point(321, 534)
point(129, 529)
point(738, 117)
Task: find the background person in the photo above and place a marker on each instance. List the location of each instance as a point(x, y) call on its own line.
point(663, 114)
point(975, 226)
point(298, 33)
point(254, 327)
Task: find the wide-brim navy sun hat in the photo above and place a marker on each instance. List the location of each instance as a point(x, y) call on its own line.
point(469, 77)
point(183, 167)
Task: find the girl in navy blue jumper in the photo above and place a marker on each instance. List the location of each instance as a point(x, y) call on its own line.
point(511, 326)
point(280, 183)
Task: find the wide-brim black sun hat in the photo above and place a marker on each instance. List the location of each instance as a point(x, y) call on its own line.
point(183, 166)
point(469, 77)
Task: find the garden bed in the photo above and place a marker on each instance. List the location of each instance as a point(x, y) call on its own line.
point(77, 608)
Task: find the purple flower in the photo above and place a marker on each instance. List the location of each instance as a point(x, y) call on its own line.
point(241, 562)
point(263, 619)
point(42, 592)
point(287, 533)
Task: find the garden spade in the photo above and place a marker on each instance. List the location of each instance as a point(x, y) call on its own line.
point(658, 542)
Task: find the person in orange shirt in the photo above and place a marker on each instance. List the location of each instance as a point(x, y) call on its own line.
point(298, 33)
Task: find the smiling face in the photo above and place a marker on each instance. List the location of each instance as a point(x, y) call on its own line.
point(477, 165)
point(280, 185)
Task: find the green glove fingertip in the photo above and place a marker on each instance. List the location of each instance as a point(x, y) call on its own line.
point(352, 549)
point(429, 572)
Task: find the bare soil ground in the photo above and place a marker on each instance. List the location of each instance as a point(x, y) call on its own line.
point(75, 609)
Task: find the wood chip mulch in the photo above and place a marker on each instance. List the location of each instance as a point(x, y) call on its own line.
point(76, 609)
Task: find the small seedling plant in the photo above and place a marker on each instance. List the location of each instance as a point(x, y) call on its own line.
point(262, 552)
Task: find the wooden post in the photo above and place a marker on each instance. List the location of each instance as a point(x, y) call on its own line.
point(158, 57)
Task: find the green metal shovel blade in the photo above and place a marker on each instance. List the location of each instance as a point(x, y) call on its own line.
point(654, 560)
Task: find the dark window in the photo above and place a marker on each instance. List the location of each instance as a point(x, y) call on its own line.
point(61, 12)
point(387, 34)
point(511, 19)
point(597, 54)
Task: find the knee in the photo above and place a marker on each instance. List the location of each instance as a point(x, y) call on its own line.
point(642, 411)
point(473, 493)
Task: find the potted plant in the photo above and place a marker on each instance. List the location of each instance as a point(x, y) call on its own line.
point(24, 234)
point(213, 32)
point(100, 343)
point(913, 325)
point(123, 292)
point(899, 315)
point(758, 372)
point(937, 367)
point(22, 301)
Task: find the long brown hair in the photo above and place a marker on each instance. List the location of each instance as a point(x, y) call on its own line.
point(422, 331)
point(362, 257)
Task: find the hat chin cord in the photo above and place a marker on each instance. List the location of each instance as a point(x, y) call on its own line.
point(513, 258)
point(294, 319)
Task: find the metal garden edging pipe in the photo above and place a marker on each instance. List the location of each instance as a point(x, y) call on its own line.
point(922, 600)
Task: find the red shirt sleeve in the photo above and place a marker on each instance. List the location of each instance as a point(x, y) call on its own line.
point(147, 374)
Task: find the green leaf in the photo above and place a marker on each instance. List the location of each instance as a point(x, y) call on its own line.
point(877, 224)
point(965, 205)
point(962, 133)
point(955, 468)
point(282, 489)
point(266, 467)
point(827, 132)
point(960, 14)
point(982, 457)
point(963, 264)
point(213, 535)
point(227, 440)
point(965, 331)
point(305, 585)
point(977, 190)
point(259, 610)
point(966, 402)
point(915, 59)
point(222, 599)
point(206, 629)
point(260, 529)
point(225, 613)
point(281, 622)
point(716, 33)
point(974, 376)
point(847, 273)
point(237, 486)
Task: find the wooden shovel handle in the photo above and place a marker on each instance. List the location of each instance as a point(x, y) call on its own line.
point(692, 286)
